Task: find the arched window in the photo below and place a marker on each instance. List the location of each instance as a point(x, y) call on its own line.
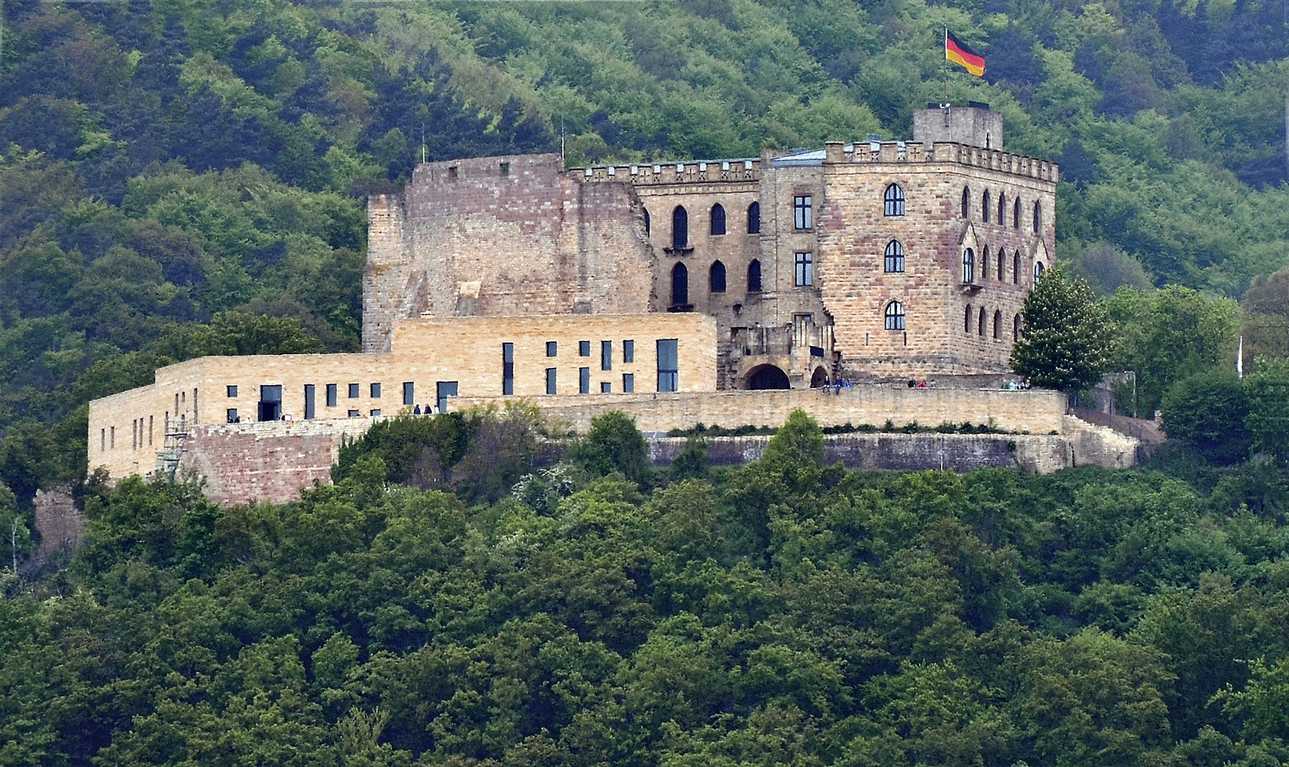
point(1016, 268)
point(1002, 265)
point(966, 320)
point(1038, 270)
point(984, 264)
point(717, 277)
point(895, 316)
point(1002, 208)
point(966, 202)
point(679, 228)
point(1016, 214)
point(894, 256)
point(754, 218)
point(679, 285)
point(894, 200)
point(980, 326)
point(646, 214)
point(1038, 216)
point(984, 207)
point(718, 219)
point(968, 266)
point(754, 276)
point(1016, 327)
point(998, 324)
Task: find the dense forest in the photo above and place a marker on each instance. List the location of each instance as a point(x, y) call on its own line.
point(188, 177)
point(786, 612)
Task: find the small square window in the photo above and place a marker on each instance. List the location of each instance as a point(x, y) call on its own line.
point(606, 387)
point(584, 348)
point(505, 169)
point(232, 390)
point(628, 351)
point(375, 391)
point(552, 348)
point(355, 414)
point(353, 391)
point(375, 413)
point(232, 415)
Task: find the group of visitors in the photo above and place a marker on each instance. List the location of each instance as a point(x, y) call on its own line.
point(915, 384)
point(429, 410)
point(1020, 385)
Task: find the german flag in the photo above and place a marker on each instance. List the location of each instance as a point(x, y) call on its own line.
point(961, 54)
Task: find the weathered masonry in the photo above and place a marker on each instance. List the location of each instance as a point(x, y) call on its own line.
point(877, 260)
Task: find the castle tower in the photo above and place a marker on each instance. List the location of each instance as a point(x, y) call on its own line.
point(973, 124)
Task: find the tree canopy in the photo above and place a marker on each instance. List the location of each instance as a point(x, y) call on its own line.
point(1066, 336)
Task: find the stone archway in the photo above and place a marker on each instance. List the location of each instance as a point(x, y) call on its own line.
point(819, 379)
point(767, 377)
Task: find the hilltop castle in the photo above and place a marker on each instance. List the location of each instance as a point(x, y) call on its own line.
point(652, 288)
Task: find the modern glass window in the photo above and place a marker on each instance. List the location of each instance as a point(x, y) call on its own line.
point(984, 207)
point(679, 228)
point(894, 256)
point(895, 316)
point(332, 395)
point(801, 211)
point(968, 266)
point(552, 348)
point(754, 276)
point(409, 393)
point(353, 391)
point(584, 348)
point(804, 274)
point(628, 382)
point(628, 351)
point(550, 381)
point(716, 277)
point(606, 355)
point(966, 202)
point(310, 394)
point(584, 380)
point(375, 391)
point(232, 390)
point(507, 368)
point(668, 365)
point(893, 201)
point(718, 219)
point(754, 218)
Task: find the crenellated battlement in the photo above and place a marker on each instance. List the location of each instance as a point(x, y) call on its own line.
point(943, 152)
point(673, 172)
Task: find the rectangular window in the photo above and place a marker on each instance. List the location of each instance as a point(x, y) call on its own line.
point(149, 430)
point(507, 368)
point(505, 169)
point(232, 415)
point(805, 274)
point(550, 381)
point(102, 439)
point(409, 393)
point(628, 382)
point(309, 394)
point(355, 414)
point(606, 355)
point(552, 348)
point(668, 367)
point(584, 348)
point(628, 351)
point(375, 413)
point(232, 390)
point(332, 394)
point(353, 391)
point(111, 437)
point(445, 389)
point(606, 387)
point(801, 218)
point(584, 380)
point(375, 391)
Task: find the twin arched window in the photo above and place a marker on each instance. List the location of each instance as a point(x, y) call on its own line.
point(893, 201)
point(968, 266)
point(718, 219)
point(716, 277)
point(895, 316)
point(894, 256)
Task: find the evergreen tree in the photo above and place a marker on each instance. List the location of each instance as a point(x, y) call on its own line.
point(1066, 336)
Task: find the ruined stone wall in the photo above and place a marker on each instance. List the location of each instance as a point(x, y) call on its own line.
point(1040, 454)
point(938, 338)
point(499, 236)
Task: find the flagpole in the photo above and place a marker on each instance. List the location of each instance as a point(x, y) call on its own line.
point(945, 64)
